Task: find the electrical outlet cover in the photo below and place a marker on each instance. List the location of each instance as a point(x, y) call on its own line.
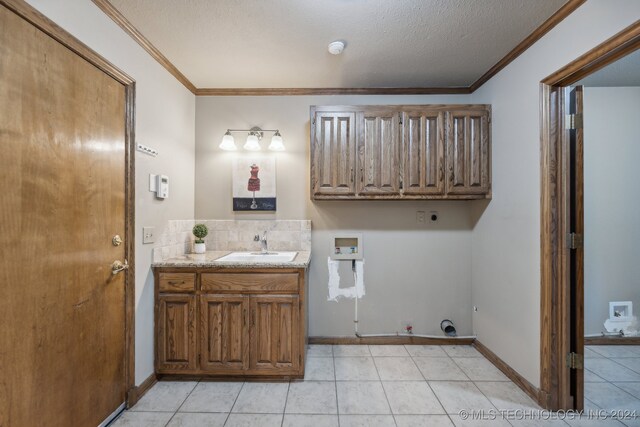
point(148, 235)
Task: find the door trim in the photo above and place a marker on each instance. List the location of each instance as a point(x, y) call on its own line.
point(554, 157)
point(53, 30)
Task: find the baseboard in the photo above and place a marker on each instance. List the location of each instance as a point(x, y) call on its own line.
point(532, 391)
point(389, 340)
point(137, 392)
point(614, 340)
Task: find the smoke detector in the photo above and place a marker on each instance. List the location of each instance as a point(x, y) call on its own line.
point(336, 48)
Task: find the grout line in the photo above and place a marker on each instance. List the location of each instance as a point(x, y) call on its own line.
point(385, 391)
point(335, 384)
point(433, 391)
point(185, 399)
point(234, 403)
point(286, 401)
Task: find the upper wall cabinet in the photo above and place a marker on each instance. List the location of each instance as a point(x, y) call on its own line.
point(401, 152)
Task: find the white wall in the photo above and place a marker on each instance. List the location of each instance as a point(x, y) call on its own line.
point(611, 202)
point(165, 115)
point(506, 236)
point(419, 273)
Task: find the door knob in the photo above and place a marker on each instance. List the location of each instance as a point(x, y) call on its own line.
point(118, 266)
point(117, 240)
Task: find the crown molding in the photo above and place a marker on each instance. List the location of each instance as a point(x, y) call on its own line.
point(537, 34)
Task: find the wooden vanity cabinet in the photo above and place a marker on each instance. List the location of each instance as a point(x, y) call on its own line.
point(403, 152)
point(231, 322)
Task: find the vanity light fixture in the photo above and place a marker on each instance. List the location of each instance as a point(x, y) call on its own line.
point(254, 135)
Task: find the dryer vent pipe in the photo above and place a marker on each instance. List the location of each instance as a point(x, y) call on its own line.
point(448, 328)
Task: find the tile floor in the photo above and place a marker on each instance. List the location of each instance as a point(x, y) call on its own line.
point(365, 386)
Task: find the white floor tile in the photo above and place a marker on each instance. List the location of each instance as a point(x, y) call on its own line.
point(423, 421)
point(388, 351)
point(361, 398)
point(426, 350)
point(295, 420)
point(197, 420)
point(590, 377)
point(412, 397)
point(588, 353)
point(212, 397)
point(632, 363)
point(355, 369)
point(507, 395)
point(316, 350)
point(254, 420)
point(367, 421)
point(165, 396)
point(616, 350)
point(351, 350)
point(609, 397)
point(631, 388)
point(499, 422)
point(143, 419)
point(261, 398)
point(583, 422)
point(458, 395)
point(480, 369)
point(461, 351)
point(312, 397)
point(610, 370)
point(397, 369)
point(319, 369)
point(440, 369)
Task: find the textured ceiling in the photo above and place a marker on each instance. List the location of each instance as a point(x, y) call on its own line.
point(625, 72)
point(283, 43)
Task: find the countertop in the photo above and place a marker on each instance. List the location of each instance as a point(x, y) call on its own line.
point(209, 259)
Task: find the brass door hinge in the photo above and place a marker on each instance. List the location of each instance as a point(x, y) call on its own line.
point(573, 121)
point(575, 361)
point(575, 240)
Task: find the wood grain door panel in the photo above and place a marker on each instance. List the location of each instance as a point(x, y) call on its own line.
point(423, 144)
point(378, 169)
point(224, 333)
point(275, 333)
point(333, 154)
point(176, 332)
point(468, 153)
point(62, 312)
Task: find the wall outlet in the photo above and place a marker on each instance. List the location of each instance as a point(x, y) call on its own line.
point(434, 216)
point(148, 235)
point(475, 308)
point(407, 326)
point(420, 217)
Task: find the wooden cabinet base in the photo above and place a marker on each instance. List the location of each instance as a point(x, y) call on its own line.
point(230, 323)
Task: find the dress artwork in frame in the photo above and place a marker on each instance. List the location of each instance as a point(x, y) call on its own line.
point(254, 183)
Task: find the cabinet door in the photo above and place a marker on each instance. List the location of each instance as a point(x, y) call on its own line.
point(468, 152)
point(378, 153)
point(423, 144)
point(176, 340)
point(224, 333)
point(275, 340)
point(333, 154)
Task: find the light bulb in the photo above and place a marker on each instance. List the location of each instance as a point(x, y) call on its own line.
point(276, 142)
point(228, 143)
point(252, 143)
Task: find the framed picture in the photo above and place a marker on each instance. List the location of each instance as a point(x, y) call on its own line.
point(620, 310)
point(254, 183)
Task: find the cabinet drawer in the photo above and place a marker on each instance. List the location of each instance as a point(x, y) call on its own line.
point(177, 282)
point(250, 282)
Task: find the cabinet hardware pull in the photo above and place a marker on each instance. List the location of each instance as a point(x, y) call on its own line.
point(172, 282)
point(361, 175)
point(351, 174)
point(441, 173)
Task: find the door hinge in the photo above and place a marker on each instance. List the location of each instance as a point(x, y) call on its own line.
point(575, 240)
point(573, 121)
point(575, 361)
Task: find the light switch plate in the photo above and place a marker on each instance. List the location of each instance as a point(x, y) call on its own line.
point(148, 235)
point(420, 217)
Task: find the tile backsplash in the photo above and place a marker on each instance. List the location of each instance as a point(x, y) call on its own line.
point(233, 235)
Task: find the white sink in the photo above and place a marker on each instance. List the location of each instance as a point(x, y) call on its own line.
point(259, 257)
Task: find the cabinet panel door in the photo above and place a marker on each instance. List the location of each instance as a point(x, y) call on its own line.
point(275, 333)
point(423, 144)
point(333, 154)
point(468, 152)
point(224, 333)
point(176, 343)
point(378, 153)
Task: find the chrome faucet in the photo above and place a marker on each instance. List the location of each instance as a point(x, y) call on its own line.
point(263, 242)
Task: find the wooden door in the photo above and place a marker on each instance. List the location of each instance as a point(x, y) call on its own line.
point(62, 168)
point(274, 333)
point(378, 153)
point(176, 332)
point(333, 154)
point(576, 250)
point(423, 145)
point(468, 154)
point(224, 333)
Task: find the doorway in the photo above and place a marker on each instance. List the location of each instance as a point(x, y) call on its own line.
point(66, 129)
point(562, 222)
